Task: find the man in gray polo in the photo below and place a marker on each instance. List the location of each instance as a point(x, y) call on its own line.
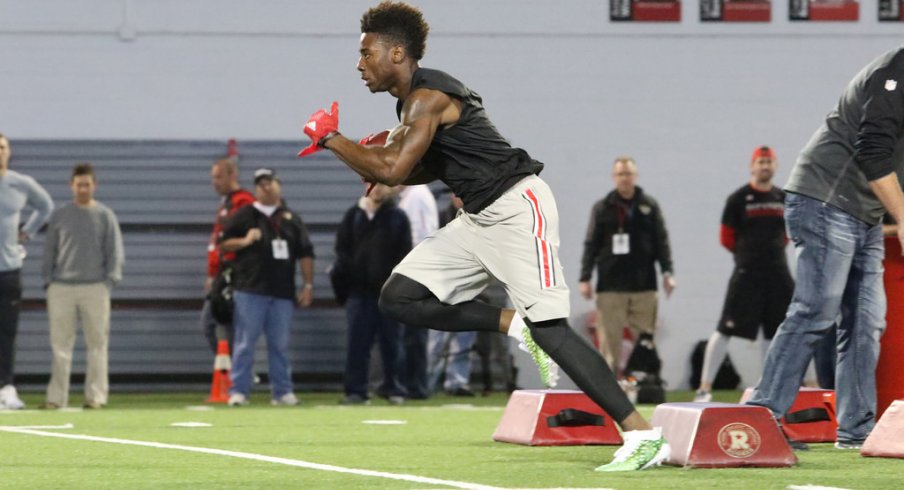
point(83, 257)
point(844, 181)
point(16, 192)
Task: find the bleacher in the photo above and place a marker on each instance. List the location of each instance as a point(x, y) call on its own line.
point(161, 193)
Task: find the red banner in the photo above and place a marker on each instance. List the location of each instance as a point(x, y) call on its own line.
point(645, 10)
point(891, 10)
point(824, 10)
point(735, 10)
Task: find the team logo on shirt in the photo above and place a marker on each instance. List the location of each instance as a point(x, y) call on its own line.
point(891, 85)
point(644, 208)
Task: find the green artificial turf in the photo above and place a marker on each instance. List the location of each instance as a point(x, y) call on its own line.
point(437, 440)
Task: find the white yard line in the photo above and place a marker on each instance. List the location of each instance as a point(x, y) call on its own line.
point(812, 487)
point(35, 431)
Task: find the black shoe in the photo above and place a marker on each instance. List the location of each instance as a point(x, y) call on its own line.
point(797, 445)
point(461, 391)
point(354, 400)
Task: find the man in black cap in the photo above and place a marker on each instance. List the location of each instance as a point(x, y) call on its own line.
point(267, 239)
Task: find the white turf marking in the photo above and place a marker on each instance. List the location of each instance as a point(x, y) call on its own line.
point(385, 422)
point(16, 427)
point(256, 457)
point(199, 408)
point(812, 487)
point(191, 424)
point(71, 409)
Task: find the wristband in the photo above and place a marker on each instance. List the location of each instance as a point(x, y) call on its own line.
point(329, 136)
point(308, 286)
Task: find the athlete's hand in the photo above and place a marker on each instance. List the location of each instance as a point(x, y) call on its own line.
point(321, 126)
point(586, 289)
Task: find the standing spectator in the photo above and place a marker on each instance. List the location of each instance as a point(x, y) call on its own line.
point(753, 230)
point(16, 192)
point(450, 352)
point(267, 238)
point(844, 181)
point(224, 177)
point(625, 239)
point(419, 205)
point(373, 237)
point(83, 258)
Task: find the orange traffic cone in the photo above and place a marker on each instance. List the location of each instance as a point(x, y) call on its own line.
point(219, 387)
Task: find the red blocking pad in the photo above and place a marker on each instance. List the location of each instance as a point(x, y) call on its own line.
point(811, 417)
point(722, 435)
point(887, 438)
point(555, 418)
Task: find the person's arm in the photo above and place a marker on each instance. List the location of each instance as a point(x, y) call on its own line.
point(39, 200)
point(51, 248)
point(238, 231)
point(423, 112)
point(664, 252)
point(728, 230)
point(114, 252)
point(305, 250)
point(233, 244)
point(888, 190)
point(881, 124)
point(306, 296)
point(591, 249)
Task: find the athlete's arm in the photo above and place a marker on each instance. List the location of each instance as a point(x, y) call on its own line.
point(424, 111)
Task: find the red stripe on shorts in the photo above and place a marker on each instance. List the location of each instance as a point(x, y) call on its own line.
point(539, 225)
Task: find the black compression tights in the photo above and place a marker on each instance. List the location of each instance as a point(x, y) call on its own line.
point(583, 364)
point(411, 303)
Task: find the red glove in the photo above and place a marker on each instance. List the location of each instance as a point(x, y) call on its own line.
point(321, 127)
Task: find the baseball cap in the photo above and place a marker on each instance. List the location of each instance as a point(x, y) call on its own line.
point(264, 173)
point(763, 152)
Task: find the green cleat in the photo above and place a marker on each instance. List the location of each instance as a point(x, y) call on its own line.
point(642, 449)
point(549, 370)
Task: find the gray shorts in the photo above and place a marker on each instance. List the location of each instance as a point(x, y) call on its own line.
point(514, 240)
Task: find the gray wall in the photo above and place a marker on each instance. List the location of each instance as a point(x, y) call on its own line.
point(689, 100)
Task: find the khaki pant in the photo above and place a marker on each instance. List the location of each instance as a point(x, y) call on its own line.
point(66, 305)
point(615, 311)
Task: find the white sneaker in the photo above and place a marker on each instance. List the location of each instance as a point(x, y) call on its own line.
point(288, 399)
point(237, 400)
point(703, 396)
point(642, 449)
point(9, 398)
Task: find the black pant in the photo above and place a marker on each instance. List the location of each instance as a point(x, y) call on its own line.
point(10, 299)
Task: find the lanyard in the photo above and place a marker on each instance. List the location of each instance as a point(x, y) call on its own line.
point(622, 212)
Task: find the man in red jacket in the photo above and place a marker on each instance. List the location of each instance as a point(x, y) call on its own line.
point(224, 177)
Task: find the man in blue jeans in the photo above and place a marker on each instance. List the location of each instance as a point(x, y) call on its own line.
point(844, 180)
point(268, 238)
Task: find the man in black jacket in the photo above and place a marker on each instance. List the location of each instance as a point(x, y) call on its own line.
point(373, 237)
point(268, 239)
point(844, 181)
point(625, 239)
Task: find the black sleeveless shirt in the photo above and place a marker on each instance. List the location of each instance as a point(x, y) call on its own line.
point(471, 157)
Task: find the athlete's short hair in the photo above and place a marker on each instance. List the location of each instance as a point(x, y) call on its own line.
point(399, 22)
point(83, 168)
